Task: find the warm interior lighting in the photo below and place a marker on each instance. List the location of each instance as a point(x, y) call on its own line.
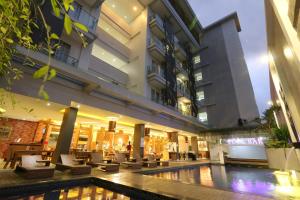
point(2, 110)
point(135, 8)
point(270, 103)
point(48, 104)
point(288, 52)
point(113, 5)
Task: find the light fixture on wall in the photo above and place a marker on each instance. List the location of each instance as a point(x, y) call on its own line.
point(2, 110)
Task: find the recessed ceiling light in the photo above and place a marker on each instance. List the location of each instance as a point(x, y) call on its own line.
point(114, 60)
point(135, 8)
point(2, 110)
point(113, 5)
point(48, 104)
point(107, 29)
point(125, 17)
point(78, 106)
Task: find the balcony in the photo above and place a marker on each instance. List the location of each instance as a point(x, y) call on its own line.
point(156, 49)
point(157, 26)
point(63, 57)
point(180, 68)
point(180, 52)
point(94, 3)
point(85, 18)
point(156, 76)
point(183, 91)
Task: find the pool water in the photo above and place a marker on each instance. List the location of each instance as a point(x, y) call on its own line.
point(77, 193)
point(237, 179)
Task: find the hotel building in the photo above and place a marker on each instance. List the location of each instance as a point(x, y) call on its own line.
point(282, 17)
point(135, 81)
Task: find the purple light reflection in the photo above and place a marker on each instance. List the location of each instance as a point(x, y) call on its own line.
point(257, 187)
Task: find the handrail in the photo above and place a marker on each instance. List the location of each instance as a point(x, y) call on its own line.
point(85, 18)
point(62, 57)
point(156, 69)
point(158, 19)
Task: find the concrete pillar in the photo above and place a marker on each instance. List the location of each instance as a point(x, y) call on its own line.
point(66, 133)
point(138, 140)
point(194, 142)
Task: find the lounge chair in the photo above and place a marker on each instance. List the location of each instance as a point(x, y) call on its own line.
point(34, 167)
point(77, 166)
point(97, 161)
point(149, 162)
point(121, 159)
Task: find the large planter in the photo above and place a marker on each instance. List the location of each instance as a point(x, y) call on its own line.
point(282, 159)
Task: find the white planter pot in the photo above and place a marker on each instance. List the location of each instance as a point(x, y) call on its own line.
point(277, 159)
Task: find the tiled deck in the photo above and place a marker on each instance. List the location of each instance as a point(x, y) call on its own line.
point(134, 181)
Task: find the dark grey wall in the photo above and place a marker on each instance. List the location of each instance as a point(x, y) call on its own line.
point(228, 93)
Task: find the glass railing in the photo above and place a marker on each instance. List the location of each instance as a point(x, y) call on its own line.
point(183, 90)
point(66, 59)
point(157, 42)
point(158, 20)
point(157, 70)
point(61, 57)
point(85, 18)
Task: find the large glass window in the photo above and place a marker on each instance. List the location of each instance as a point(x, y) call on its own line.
point(200, 95)
point(155, 95)
point(202, 116)
point(77, 10)
point(62, 53)
point(198, 76)
point(197, 59)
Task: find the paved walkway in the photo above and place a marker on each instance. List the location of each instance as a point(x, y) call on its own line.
point(129, 179)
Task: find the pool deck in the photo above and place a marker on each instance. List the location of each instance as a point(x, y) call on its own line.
point(131, 180)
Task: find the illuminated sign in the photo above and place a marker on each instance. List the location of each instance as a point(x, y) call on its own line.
point(245, 141)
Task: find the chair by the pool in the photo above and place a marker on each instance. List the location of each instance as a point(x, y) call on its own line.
point(121, 159)
point(32, 166)
point(97, 161)
point(150, 162)
point(77, 166)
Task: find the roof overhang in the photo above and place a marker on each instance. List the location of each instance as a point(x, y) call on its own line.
point(232, 16)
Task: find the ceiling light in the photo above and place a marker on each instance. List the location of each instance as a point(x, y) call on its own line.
point(78, 106)
point(125, 17)
point(135, 8)
point(2, 110)
point(114, 60)
point(288, 52)
point(48, 104)
point(113, 5)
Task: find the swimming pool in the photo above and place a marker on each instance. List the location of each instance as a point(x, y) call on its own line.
point(237, 179)
point(79, 193)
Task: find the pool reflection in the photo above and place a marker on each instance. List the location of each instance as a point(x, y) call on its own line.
point(238, 179)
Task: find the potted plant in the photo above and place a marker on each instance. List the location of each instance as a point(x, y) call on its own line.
point(279, 150)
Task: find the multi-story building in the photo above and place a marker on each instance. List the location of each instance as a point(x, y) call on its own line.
point(284, 60)
point(224, 90)
point(136, 74)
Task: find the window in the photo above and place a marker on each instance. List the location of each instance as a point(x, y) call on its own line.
point(196, 59)
point(198, 76)
point(155, 95)
point(202, 117)
point(200, 95)
point(62, 53)
point(77, 10)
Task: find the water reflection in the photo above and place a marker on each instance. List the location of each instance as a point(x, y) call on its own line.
point(77, 193)
point(237, 179)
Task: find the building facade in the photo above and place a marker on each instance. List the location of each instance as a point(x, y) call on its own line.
point(224, 89)
point(284, 61)
point(137, 73)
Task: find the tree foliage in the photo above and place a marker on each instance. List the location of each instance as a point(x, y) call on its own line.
point(16, 27)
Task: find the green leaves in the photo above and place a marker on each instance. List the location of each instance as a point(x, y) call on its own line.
point(54, 36)
point(67, 4)
point(68, 24)
point(44, 94)
point(55, 8)
point(52, 74)
point(81, 27)
point(41, 72)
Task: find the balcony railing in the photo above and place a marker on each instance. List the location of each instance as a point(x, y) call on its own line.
point(183, 90)
point(62, 57)
point(159, 21)
point(180, 67)
point(85, 18)
point(156, 70)
point(157, 42)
